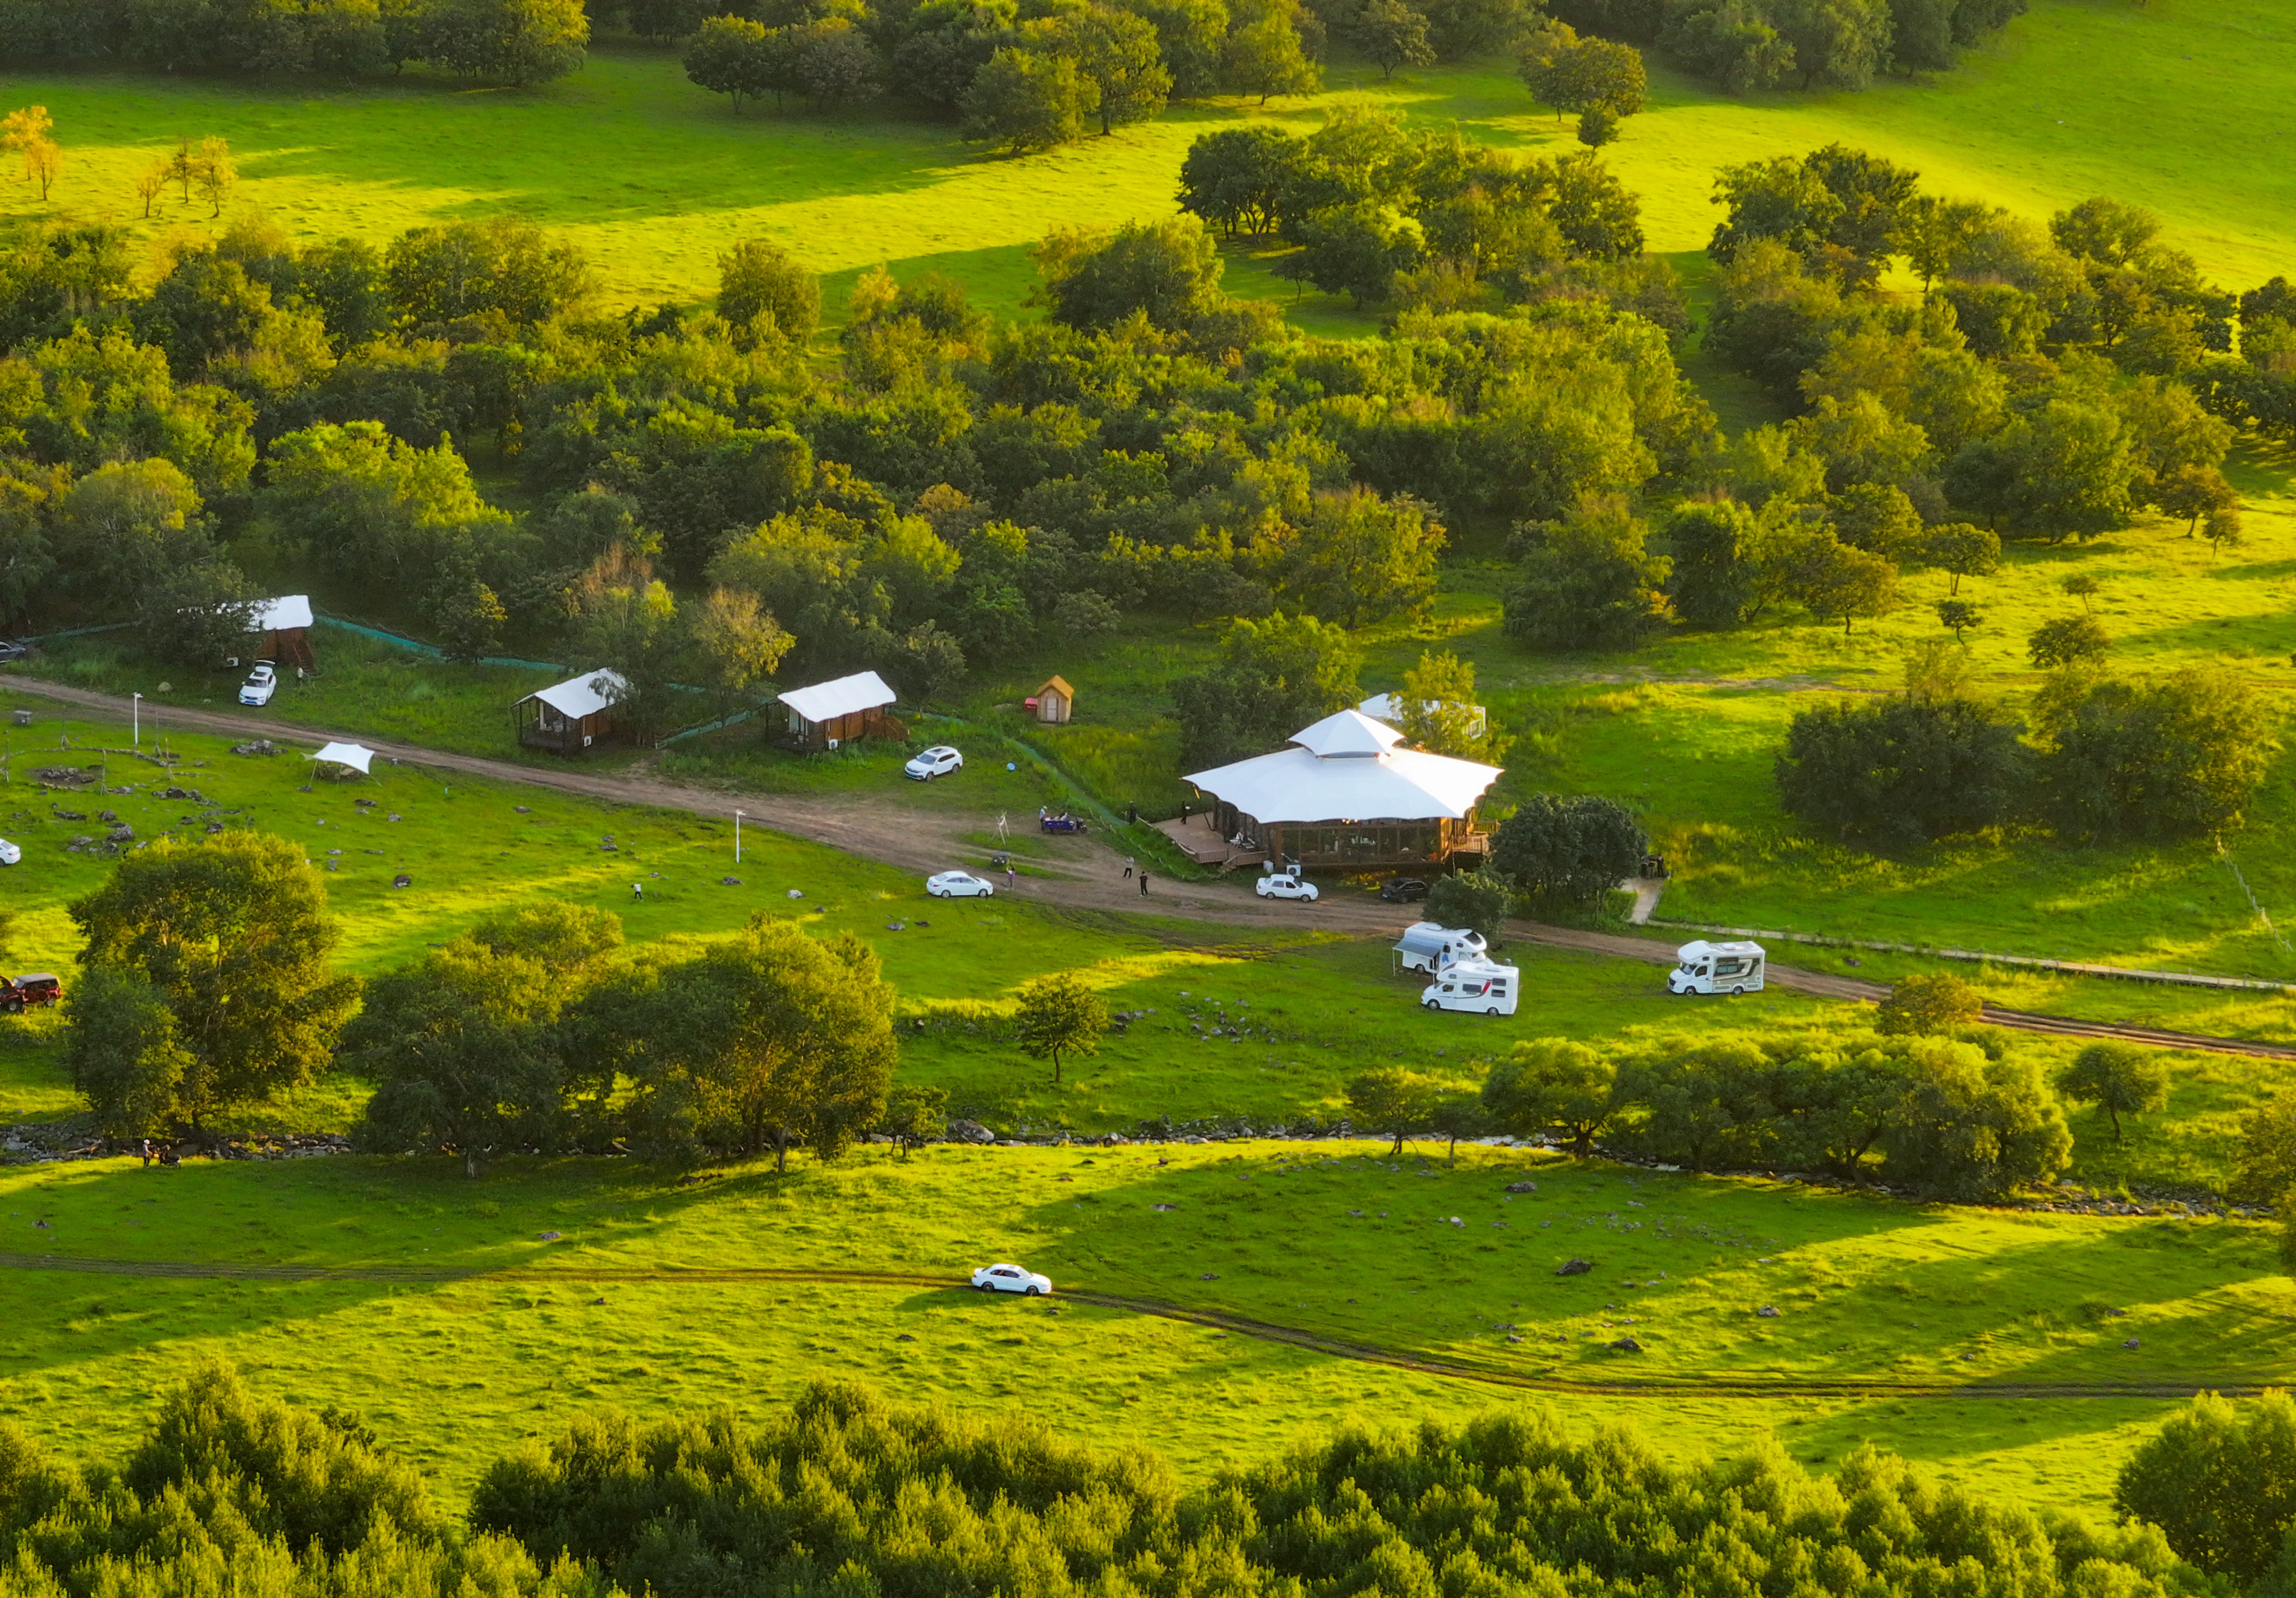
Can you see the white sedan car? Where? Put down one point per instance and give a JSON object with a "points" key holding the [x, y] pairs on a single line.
{"points": [[1010, 1279], [260, 685], [938, 761], [1286, 885], [9, 854], [959, 885]]}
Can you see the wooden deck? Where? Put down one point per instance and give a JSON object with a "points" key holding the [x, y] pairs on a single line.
{"points": [[1200, 844]]}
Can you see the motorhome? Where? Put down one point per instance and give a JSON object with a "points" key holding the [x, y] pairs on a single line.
{"points": [[1477, 985], [1428, 948], [1731, 968]]}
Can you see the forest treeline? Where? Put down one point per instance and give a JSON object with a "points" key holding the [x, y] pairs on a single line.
{"points": [[712, 507], [846, 1496]]}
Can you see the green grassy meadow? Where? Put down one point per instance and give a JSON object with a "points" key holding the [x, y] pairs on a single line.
{"points": [[2178, 105], [1328, 1237]]}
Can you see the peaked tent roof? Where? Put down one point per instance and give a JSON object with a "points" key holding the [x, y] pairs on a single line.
{"points": [[826, 702], [1347, 733], [1350, 784], [585, 695], [281, 615]]}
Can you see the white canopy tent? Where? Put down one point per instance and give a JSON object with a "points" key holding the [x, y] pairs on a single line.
{"points": [[354, 755], [585, 695]]}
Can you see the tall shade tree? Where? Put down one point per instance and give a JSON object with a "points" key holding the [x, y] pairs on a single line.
{"points": [[1392, 34], [769, 1038], [460, 1048], [1553, 1085], [232, 935], [1355, 557], [1060, 1016], [1119, 52], [1028, 100], [1436, 709], [1568, 851], [2119, 1078], [2219, 1479], [1392, 1101]]}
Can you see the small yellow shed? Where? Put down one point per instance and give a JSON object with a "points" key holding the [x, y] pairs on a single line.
{"points": [[1054, 702]]}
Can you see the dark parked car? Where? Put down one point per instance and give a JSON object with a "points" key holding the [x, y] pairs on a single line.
{"points": [[33, 988], [1403, 890], [14, 650]]}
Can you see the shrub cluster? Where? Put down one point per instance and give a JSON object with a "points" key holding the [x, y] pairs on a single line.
{"points": [[1960, 1117], [1022, 81], [502, 41], [1742, 45], [845, 1495]]}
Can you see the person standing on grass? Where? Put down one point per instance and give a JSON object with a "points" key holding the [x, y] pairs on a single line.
{"points": [[147, 1153], [1129, 862], [1011, 876]]}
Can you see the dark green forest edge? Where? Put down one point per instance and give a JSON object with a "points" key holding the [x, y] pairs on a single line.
{"points": [[846, 1496]]}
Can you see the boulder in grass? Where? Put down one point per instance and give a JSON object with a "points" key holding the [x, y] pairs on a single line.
{"points": [[1626, 1344], [1767, 1312], [729, 881], [1522, 1187], [402, 880], [1574, 1268]]}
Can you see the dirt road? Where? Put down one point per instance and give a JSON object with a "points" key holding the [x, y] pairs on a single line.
{"points": [[1087, 875]]}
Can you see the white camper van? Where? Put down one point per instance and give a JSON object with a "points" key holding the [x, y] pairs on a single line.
{"points": [[1731, 968], [1428, 948], [1474, 985]]}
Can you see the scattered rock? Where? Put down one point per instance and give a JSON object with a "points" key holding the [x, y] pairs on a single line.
{"points": [[2131, 1343], [64, 815], [402, 880], [305, 787], [395, 816], [904, 1338], [522, 809], [1163, 1208], [1574, 1268], [260, 746], [1626, 1344], [107, 816], [1767, 1312], [965, 1131], [334, 851], [797, 893], [1522, 1187], [550, 1237], [1208, 1276], [595, 1302], [729, 881]]}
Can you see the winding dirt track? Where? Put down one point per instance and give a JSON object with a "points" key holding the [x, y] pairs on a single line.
{"points": [[1088, 872], [1453, 1367]]}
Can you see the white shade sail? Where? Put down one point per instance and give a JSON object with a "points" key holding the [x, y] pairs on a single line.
{"points": [[1346, 733], [353, 755]]}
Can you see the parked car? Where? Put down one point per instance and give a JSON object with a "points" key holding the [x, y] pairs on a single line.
{"points": [[938, 761], [1474, 985], [9, 854], [959, 885], [1010, 1279], [261, 684], [1426, 945], [13, 649], [1063, 823], [1403, 890], [1731, 968], [20, 993], [1286, 884]]}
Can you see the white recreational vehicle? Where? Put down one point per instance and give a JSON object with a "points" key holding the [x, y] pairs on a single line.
{"points": [[1429, 947], [1731, 968], [1478, 986]]}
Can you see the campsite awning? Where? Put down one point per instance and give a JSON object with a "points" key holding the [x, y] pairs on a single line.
{"points": [[281, 615], [846, 696], [353, 755]]}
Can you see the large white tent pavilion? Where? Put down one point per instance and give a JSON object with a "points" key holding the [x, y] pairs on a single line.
{"points": [[1345, 793]]}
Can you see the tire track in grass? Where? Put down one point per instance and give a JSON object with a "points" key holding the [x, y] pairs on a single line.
{"points": [[1449, 1368]]}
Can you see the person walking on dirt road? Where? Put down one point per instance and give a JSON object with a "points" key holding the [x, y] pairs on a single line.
{"points": [[1143, 884], [1129, 862]]}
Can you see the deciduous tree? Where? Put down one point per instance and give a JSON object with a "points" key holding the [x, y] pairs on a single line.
{"points": [[1060, 1015], [232, 935], [1553, 1086], [1568, 851], [1392, 1101], [1925, 1005], [2119, 1078]]}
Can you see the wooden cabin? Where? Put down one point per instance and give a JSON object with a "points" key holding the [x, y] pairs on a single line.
{"points": [[568, 717], [830, 715], [1053, 703]]}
